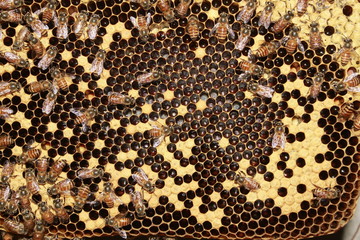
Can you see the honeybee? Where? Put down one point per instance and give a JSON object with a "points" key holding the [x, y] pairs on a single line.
{"points": [[63, 188], [247, 12], [266, 14], [138, 200], [108, 196], [12, 205], [326, 193], [62, 31], [349, 83], [143, 180], [48, 12], [146, 78], [346, 111], [315, 36], [80, 198], [37, 87], [117, 222], [11, 16], [50, 100], [48, 57], [31, 182], [292, 42], [279, 137], [29, 153], [356, 125], [39, 28], [283, 22], [85, 173], [5, 193], [80, 23], [5, 141], [159, 132], [10, 4], [116, 98], [41, 166], [84, 116], [142, 24], [247, 182], [165, 8], [61, 78], [14, 226], [21, 37], [243, 38], [301, 7], [93, 26], [5, 112], [145, 4], [249, 68], [160, 26], [24, 196], [7, 172], [194, 26], [260, 90], [97, 66], [56, 170], [60, 211], [39, 230], [36, 46], [266, 49], [14, 60], [29, 220], [346, 53], [182, 8], [222, 28], [316, 87]]}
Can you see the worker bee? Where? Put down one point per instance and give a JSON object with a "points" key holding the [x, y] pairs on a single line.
{"points": [[48, 57], [5, 112], [11, 16], [108, 196], [165, 8], [14, 226], [85, 173], [10, 4], [279, 137], [247, 12], [21, 37], [260, 90], [62, 31], [29, 220], [5, 141], [346, 53], [5, 193], [283, 22], [143, 180], [117, 222], [55, 170], [266, 14], [97, 66], [301, 7], [41, 86], [159, 26], [145, 78], [29, 153], [292, 42], [7, 172], [36, 46], [39, 28], [243, 38], [316, 87], [60, 211], [39, 230], [84, 116], [250, 68], [247, 182], [346, 111], [31, 182], [194, 27], [142, 24], [63, 188], [41, 166], [116, 98], [13, 204], [93, 26], [48, 12], [326, 193], [182, 8], [266, 49], [9, 88], [24, 196], [80, 23], [80, 198], [222, 28], [315, 36], [50, 100], [349, 83], [159, 132], [15, 60], [145, 4], [61, 78], [138, 200]]}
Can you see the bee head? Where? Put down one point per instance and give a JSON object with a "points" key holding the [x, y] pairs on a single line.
{"points": [[129, 100], [251, 4], [107, 187], [258, 70], [18, 3], [223, 17], [28, 18], [52, 191], [109, 221], [24, 63], [53, 50], [252, 86], [98, 172], [101, 54], [247, 29], [23, 191], [39, 226], [92, 112], [94, 18], [57, 203], [289, 15], [339, 86], [15, 86], [269, 6]]}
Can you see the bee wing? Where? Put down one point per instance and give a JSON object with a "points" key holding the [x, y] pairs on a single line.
{"points": [[265, 20], [351, 76], [244, 76], [44, 62], [158, 141], [76, 112], [134, 22], [85, 127], [39, 11], [62, 32], [265, 91], [55, 19], [353, 89], [145, 75], [48, 105], [284, 40], [241, 42], [148, 19], [241, 13], [214, 28], [143, 174], [121, 232], [282, 140], [276, 141], [300, 45], [231, 32]]}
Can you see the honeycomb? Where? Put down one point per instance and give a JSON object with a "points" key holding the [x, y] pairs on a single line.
{"points": [[191, 125]]}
